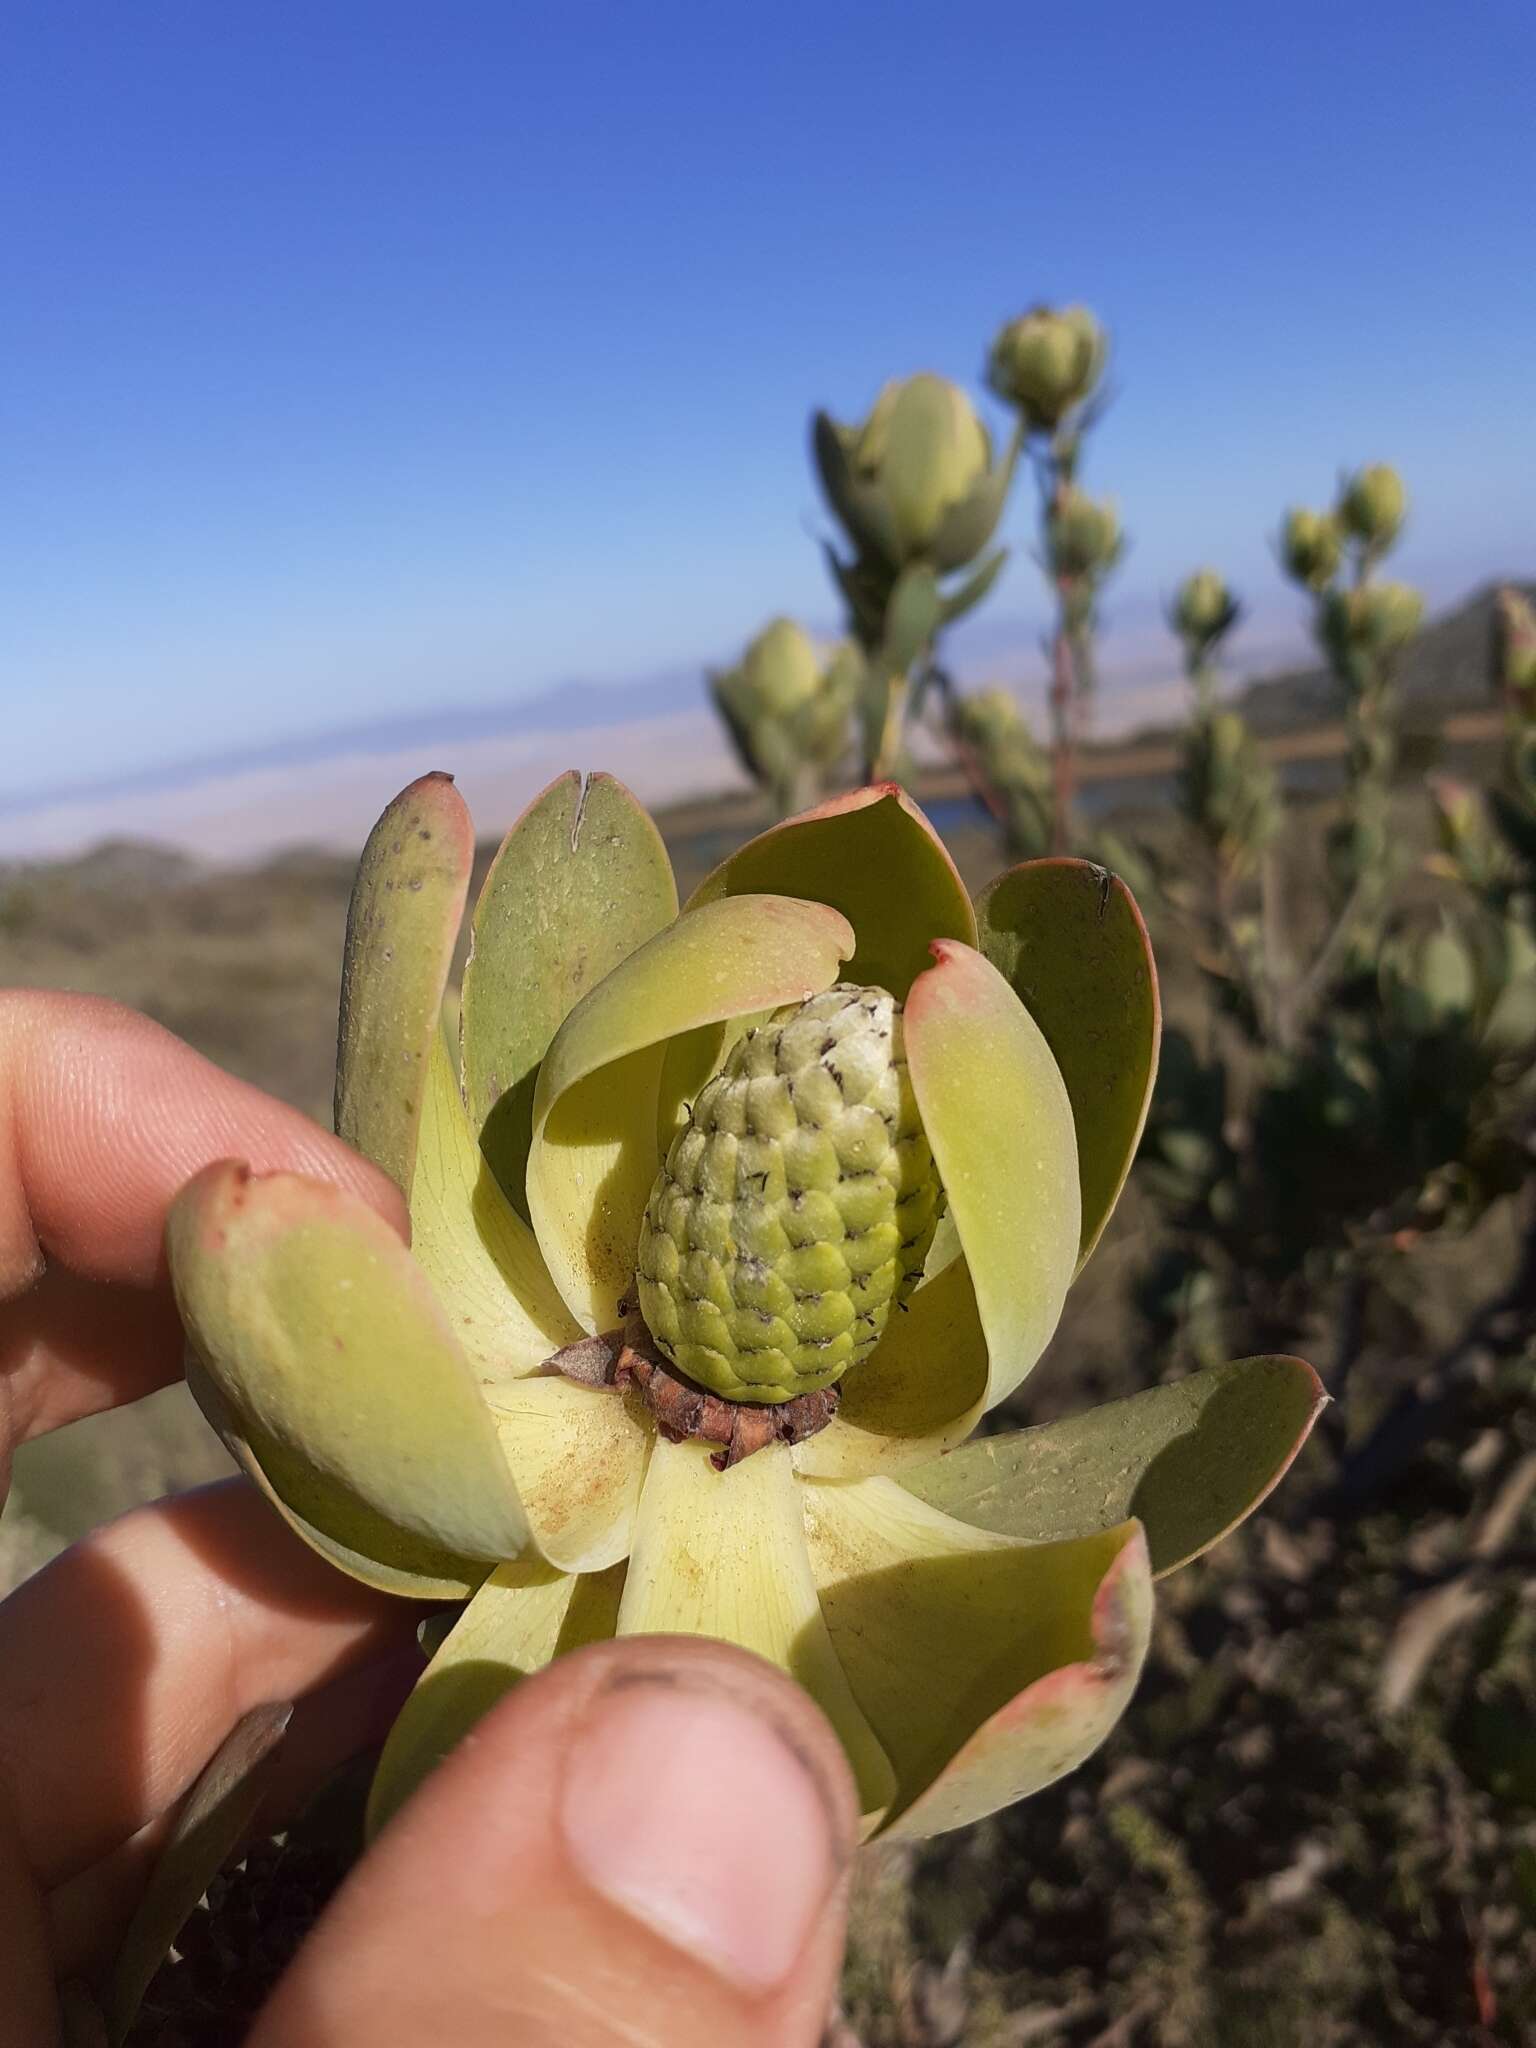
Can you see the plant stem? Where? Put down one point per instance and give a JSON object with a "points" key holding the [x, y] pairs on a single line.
{"points": [[1063, 727], [887, 753]]}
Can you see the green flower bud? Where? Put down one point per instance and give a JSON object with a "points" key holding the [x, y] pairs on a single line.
{"points": [[1514, 647], [991, 715], [1204, 609], [1227, 789], [1018, 767], [1373, 622], [1373, 504], [796, 1207], [926, 450], [1311, 547], [781, 669], [1386, 616], [1083, 535], [787, 708], [1046, 362]]}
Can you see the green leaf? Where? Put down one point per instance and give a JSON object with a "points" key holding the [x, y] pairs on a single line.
{"points": [[329, 1517], [522, 1617], [998, 1119], [1069, 939], [476, 1250], [213, 1817], [323, 1336], [911, 617], [974, 588], [581, 880], [859, 505], [987, 1667], [872, 855], [595, 1114], [1190, 1461], [407, 903]]}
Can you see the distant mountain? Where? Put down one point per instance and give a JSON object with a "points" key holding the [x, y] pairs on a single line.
{"points": [[568, 707], [1445, 669]]}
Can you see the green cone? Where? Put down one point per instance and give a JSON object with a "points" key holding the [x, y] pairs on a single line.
{"points": [[796, 1207]]}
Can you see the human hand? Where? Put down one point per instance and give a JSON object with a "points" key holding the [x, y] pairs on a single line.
{"points": [[646, 1843]]}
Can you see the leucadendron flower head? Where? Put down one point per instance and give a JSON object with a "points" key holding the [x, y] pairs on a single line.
{"points": [[1377, 620], [1046, 362], [1083, 537], [728, 1226], [788, 707], [1373, 504], [1311, 547], [1203, 611], [918, 481]]}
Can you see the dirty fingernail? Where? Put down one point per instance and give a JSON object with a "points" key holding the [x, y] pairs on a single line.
{"points": [[691, 1813]]}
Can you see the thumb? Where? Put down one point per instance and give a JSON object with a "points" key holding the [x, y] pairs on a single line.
{"points": [[647, 1843]]}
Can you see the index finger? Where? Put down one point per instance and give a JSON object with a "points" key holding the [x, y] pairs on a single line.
{"points": [[103, 1117]]}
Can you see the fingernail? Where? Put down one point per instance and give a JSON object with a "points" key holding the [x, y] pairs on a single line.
{"points": [[690, 1812]]}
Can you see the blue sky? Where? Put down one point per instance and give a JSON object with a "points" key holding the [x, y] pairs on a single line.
{"points": [[366, 355]]}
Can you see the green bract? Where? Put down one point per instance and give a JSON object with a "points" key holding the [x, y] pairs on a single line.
{"points": [[972, 1629]]}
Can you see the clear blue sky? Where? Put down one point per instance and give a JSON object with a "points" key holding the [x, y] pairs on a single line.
{"points": [[369, 353]]}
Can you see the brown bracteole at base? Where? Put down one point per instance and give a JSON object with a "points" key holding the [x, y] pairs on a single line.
{"points": [[628, 1357]]}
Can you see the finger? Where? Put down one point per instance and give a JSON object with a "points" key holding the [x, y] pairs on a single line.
{"points": [[89, 1913], [125, 1662], [26, 1978], [646, 1844], [103, 1116]]}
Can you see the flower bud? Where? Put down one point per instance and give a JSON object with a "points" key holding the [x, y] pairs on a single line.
{"points": [[1372, 505], [1376, 620], [1386, 616], [925, 450], [1083, 535], [1204, 609], [1514, 647], [781, 669], [1311, 547], [1046, 362], [787, 705]]}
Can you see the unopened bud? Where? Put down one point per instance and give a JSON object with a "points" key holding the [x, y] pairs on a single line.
{"points": [[1203, 610], [1373, 504], [1311, 547], [1082, 534], [1046, 362]]}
